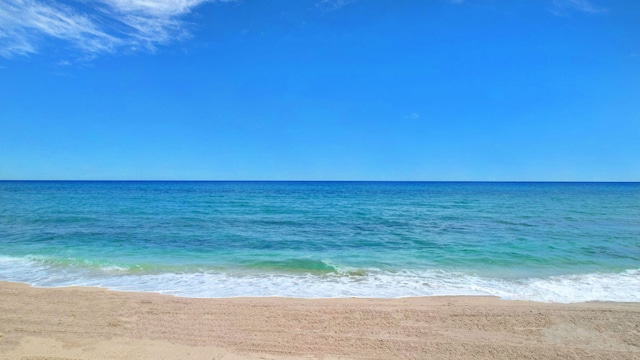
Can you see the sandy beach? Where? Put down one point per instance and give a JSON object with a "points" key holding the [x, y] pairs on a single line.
{"points": [[89, 323]]}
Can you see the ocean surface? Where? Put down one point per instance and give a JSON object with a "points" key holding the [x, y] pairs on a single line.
{"points": [[551, 242]]}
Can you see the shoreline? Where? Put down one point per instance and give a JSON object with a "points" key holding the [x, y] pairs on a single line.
{"points": [[95, 323]]}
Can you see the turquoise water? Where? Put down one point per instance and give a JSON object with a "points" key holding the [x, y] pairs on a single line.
{"points": [[560, 242]]}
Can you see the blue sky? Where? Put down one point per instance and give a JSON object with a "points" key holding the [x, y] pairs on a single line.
{"points": [[320, 90]]}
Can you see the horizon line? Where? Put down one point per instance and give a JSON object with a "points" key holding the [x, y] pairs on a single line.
{"points": [[344, 181]]}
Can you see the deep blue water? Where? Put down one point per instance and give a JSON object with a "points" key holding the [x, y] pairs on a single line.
{"points": [[560, 242]]}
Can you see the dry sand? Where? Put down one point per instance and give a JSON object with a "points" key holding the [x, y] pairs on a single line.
{"points": [[86, 323]]}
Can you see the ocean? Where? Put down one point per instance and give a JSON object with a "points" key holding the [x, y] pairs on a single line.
{"points": [[549, 242]]}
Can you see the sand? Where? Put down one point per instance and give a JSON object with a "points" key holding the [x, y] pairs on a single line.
{"points": [[89, 323]]}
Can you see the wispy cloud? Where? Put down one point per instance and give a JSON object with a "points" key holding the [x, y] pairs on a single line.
{"points": [[159, 8], [93, 27], [333, 4], [24, 24], [412, 116], [562, 7]]}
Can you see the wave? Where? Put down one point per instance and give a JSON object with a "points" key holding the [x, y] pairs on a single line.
{"points": [[294, 265], [329, 281]]}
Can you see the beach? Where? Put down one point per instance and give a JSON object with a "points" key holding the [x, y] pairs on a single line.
{"points": [[92, 323]]}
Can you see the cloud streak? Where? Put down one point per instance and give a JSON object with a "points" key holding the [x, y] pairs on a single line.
{"points": [[92, 27], [331, 5], [560, 7]]}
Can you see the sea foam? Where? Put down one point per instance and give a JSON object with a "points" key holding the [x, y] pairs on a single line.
{"points": [[620, 287]]}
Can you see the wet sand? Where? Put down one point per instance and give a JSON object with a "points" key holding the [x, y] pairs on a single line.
{"points": [[89, 323]]}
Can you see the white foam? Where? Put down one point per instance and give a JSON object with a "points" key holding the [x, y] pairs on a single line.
{"points": [[622, 287]]}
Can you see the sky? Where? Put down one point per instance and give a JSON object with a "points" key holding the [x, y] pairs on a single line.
{"points": [[424, 90]]}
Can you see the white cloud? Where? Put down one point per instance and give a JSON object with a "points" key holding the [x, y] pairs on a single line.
{"points": [[93, 27], [24, 23], [412, 116], [159, 8]]}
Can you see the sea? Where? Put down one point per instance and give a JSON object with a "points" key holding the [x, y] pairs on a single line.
{"points": [[547, 242]]}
